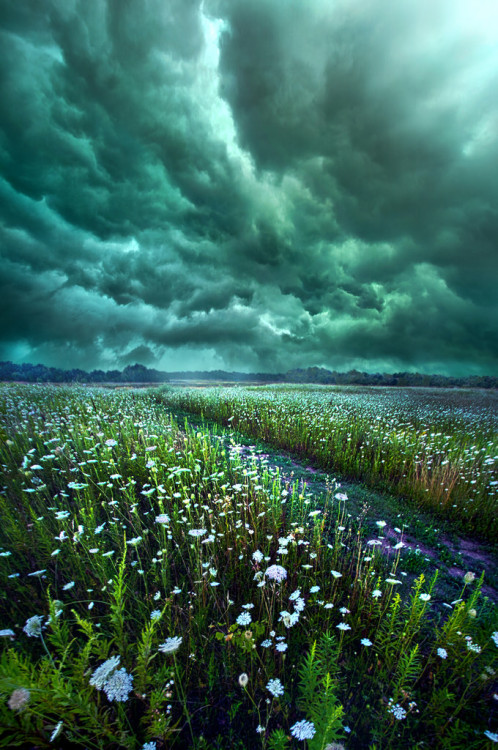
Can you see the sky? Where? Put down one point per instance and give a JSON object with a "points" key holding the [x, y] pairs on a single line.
{"points": [[251, 185]]}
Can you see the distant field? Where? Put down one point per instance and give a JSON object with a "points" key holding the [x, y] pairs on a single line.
{"points": [[162, 587], [437, 447]]}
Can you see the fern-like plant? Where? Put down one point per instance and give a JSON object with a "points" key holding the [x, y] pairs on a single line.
{"points": [[317, 692]]}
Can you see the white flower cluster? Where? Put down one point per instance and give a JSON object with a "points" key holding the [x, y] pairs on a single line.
{"points": [[170, 645], [33, 627], [276, 573], [275, 687], [303, 730], [116, 683], [397, 711]]}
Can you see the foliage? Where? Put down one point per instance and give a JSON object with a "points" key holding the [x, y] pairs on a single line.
{"points": [[162, 584]]}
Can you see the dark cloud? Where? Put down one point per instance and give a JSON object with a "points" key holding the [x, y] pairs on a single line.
{"points": [[256, 185]]}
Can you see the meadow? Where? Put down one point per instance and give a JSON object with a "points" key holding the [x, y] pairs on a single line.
{"points": [[162, 586], [436, 447]]}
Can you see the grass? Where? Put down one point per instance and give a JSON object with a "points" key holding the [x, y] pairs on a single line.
{"points": [[142, 606], [436, 448]]}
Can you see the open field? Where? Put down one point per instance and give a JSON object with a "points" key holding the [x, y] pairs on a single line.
{"points": [[438, 448], [163, 586]]}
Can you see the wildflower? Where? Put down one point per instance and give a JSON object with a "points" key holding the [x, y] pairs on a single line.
{"points": [[111, 443], [336, 574], [135, 541], [397, 711], [266, 643], [376, 593], [155, 615], [170, 645], [61, 515], [289, 619], [6, 633], [56, 732], [149, 746], [341, 496], [303, 730], [197, 532], [425, 597], [275, 687], [33, 627], [163, 518], [119, 685], [343, 626], [473, 647], [491, 735], [469, 577], [281, 647], [19, 698], [442, 653], [299, 604], [260, 729], [295, 595], [243, 679], [314, 589], [257, 556], [244, 619], [101, 675], [38, 573], [380, 524], [494, 637], [394, 581], [366, 642], [276, 573]]}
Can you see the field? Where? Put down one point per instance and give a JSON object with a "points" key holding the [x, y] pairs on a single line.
{"points": [[436, 447], [165, 584]]}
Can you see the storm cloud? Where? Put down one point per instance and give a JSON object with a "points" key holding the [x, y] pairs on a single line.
{"points": [[250, 185]]}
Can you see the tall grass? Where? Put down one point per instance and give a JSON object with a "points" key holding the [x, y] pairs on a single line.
{"points": [[438, 449], [161, 590]]}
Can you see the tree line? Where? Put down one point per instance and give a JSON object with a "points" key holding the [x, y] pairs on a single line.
{"points": [[136, 373]]}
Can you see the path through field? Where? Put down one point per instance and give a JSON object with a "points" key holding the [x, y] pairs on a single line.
{"points": [[428, 544]]}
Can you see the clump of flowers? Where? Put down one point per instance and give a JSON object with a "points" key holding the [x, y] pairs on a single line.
{"points": [[275, 687], [396, 710], [19, 699], [33, 627], [244, 619], [170, 645], [116, 683], [119, 685], [303, 730], [276, 573]]}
